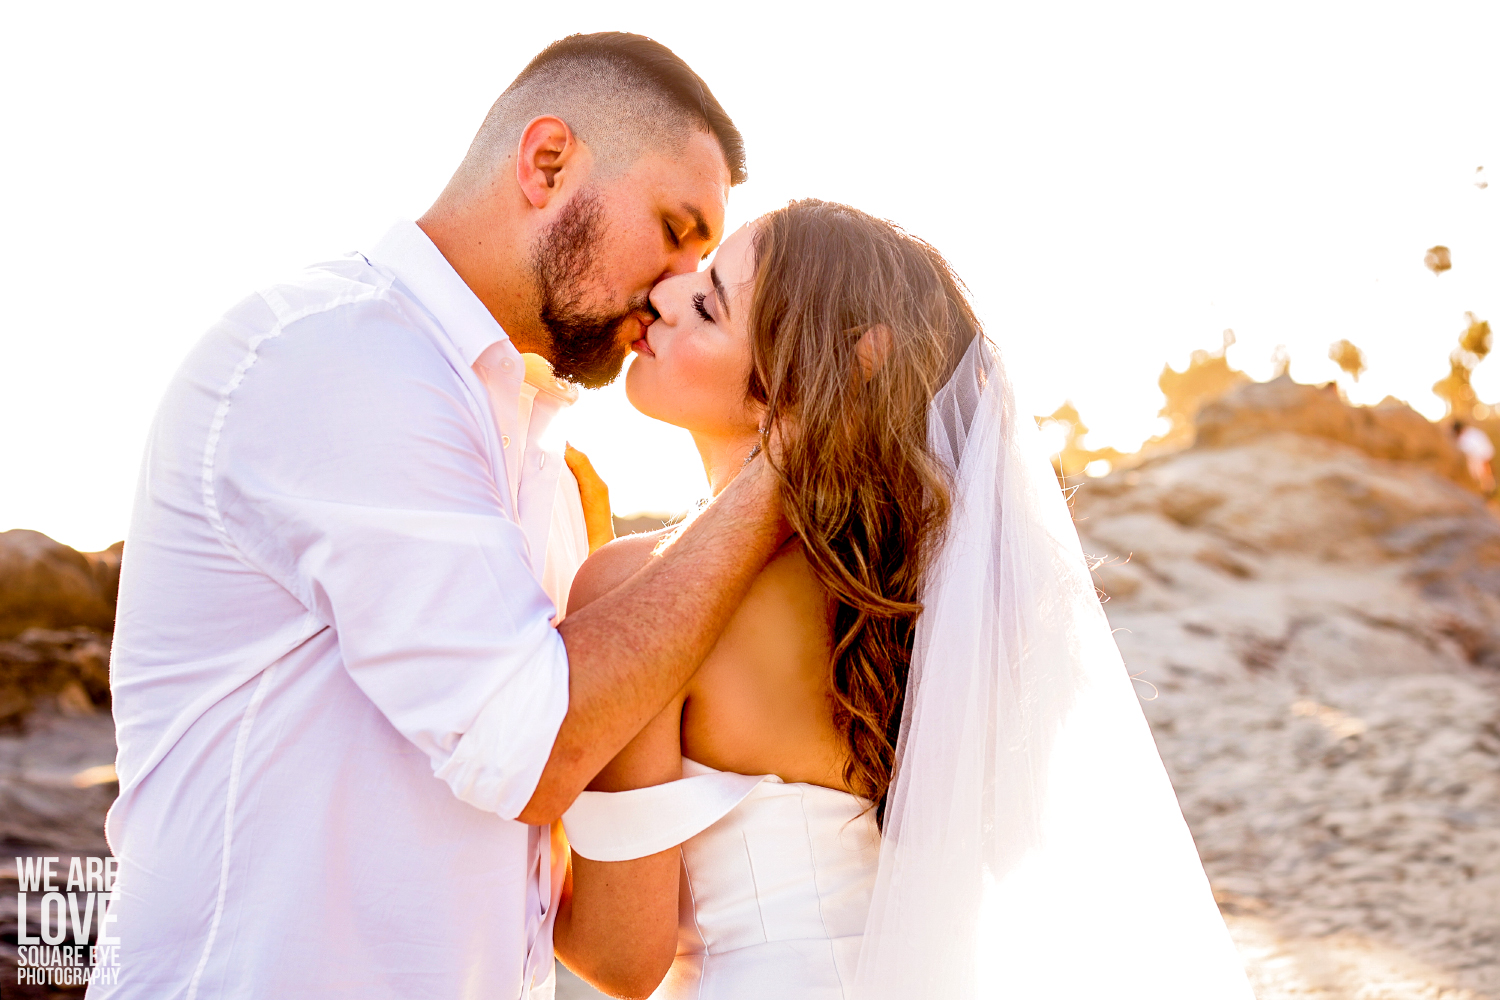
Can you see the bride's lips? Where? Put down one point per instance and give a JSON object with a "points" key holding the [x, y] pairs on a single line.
{"points": [[643, 344]]}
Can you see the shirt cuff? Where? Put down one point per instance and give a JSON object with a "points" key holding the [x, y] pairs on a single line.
{"points": [[497, 764]]}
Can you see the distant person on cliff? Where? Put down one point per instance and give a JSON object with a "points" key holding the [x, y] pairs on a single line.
{"points": [[345, 716], [1479, 452]]}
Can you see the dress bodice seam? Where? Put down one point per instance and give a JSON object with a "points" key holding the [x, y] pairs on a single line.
{"points": [[702, 943], [760, 912], [812, 855]]}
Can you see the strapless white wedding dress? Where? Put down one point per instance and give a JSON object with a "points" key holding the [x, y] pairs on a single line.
{"points": [[776, 879]]}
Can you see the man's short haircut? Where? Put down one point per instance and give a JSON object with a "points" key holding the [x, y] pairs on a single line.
{"points": [[620, 94]]}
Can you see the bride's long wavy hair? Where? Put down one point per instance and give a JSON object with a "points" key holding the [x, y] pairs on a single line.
{"points": [[854, 326]]}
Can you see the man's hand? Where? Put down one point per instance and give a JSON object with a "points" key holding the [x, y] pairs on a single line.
{"points": [[597, 516]]}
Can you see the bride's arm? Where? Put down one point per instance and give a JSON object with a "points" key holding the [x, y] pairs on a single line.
{"points": [[617, 921]]}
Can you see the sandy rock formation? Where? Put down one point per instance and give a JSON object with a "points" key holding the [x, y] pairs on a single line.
{"points": [[1317, 634], [637, 523], [57, 607], [65, 667], [1391, 430], [45, 584]]}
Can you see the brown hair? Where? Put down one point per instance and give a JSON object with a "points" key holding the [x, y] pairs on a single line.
{"points": [[860, 485], [648, 67]]}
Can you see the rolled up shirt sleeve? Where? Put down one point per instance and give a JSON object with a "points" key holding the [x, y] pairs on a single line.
{"points": [[351, 465]]}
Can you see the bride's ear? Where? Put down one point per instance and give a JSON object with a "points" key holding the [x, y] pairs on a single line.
{"points": [[873, 348]]}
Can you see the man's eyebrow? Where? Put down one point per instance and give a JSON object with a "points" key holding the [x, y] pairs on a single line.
{"points": [[713, 275], [700, 224]]}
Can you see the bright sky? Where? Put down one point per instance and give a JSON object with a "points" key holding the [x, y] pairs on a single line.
{"points": [[1117, 183]]}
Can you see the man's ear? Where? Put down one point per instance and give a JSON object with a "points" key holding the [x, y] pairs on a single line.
{"points": [[873, 348], [547, 149]]}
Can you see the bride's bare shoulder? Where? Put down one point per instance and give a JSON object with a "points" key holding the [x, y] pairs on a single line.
{"points": [[611, 565]]}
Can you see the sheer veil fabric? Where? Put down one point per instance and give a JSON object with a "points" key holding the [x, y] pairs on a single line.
{"points": [[1033, 846]]}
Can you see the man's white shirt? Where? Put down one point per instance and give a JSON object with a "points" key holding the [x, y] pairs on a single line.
{"points": [[336, 677]]}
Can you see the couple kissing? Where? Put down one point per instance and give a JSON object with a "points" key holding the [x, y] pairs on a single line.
{"points": [[399, 719]]}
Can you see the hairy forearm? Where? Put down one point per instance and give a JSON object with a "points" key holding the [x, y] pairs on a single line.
{"points": [[633, 649]]}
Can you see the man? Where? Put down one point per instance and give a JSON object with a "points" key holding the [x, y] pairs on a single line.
{"points": [[344, 714], [1478, 451]]}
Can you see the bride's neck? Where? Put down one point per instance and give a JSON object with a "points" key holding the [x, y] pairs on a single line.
{"points": [[724, 457]]}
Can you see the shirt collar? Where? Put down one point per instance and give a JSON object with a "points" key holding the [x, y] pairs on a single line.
{"points": [[419, 265], [539, 376]]}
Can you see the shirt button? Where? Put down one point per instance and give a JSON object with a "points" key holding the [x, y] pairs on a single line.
{"points": [[506, 365], [505, 440], [541, 461]]}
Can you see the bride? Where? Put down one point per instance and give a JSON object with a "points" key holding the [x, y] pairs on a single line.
{"points": [[914, 765]]}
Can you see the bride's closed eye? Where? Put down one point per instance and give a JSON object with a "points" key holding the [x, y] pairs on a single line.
{"points": [[698, 301]]}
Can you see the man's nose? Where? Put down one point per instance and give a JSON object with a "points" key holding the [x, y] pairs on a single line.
{"points": [[684, 261]]}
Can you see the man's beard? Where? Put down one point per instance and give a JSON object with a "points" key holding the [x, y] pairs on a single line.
{"points": [[586, 346]]}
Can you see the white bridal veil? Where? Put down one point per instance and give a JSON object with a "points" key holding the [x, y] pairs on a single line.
{"points": [[1033, 847]]}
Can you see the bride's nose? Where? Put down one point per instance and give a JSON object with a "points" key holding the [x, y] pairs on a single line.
{"points": [[667, 297]]}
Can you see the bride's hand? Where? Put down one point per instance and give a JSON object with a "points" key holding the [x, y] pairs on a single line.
{"points": [[597, 516]]}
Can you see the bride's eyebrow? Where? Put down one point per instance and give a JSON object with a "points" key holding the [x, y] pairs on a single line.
{"points": [[713, 275]]}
